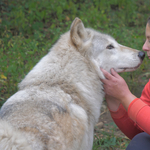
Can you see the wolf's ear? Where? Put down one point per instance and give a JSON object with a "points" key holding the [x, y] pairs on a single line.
{"points": [[78, 33]]}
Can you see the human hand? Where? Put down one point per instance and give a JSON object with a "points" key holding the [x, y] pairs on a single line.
{"points": [[115, 86]]}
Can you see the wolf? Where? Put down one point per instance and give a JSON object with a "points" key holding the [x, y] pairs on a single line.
{"points": [[58, 102]]}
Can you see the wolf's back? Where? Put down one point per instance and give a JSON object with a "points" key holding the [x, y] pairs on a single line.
{"points": [[10, 139]]}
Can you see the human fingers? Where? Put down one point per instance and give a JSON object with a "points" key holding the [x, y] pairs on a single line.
{"points": [[117, 77], [114, 73], [105, 81], [106, 74]]}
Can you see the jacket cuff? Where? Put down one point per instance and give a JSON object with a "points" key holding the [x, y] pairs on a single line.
{"points": [[135, 106]]}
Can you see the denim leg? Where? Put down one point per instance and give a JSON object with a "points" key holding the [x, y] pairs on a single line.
{"points": [[140, 142]]}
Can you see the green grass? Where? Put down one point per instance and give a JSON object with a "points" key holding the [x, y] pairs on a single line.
{"points": [[28, 28], [105, 139], [110, 142]]}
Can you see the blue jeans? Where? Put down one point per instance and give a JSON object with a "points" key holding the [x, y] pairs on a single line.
{"points": [[140, 142]]}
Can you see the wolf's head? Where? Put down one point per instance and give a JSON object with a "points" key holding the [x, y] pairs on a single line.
{"points": [[103, 51]]}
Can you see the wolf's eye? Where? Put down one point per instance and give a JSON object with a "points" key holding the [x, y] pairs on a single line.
{"points": [[110, 46]]}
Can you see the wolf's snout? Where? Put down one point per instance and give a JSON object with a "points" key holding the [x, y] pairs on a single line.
{"points": [[141, 55]]}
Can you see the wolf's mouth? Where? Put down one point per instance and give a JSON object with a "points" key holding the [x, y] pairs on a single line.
{"points": [[129, 68]]}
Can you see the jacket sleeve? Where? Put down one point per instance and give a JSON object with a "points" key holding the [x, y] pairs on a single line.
{"points": [[137, 118], [139, 110]]}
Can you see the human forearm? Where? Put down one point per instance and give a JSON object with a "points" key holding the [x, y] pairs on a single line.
{"points": [[113, 103]]}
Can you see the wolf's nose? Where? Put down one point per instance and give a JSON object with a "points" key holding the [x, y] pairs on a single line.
{"points": [[141, 55]]}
